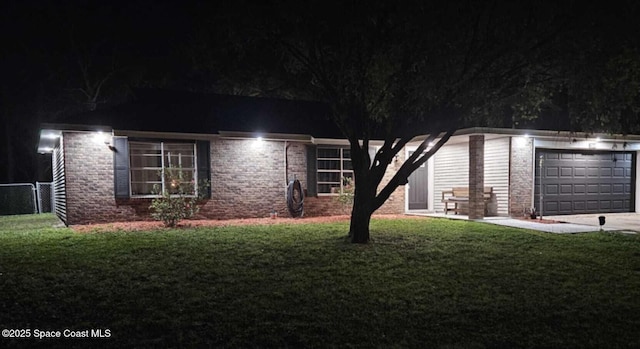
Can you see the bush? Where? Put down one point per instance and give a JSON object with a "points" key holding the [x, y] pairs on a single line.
{"points": [[346, 195], [171, 209], [179, 202]]}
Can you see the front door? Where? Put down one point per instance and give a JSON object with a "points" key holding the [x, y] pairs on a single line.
{"points": [[418, 188]]}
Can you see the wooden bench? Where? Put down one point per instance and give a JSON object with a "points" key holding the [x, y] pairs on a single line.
{"points": [[460, 195]]}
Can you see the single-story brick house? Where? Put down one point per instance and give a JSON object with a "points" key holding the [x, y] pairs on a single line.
{"points": [[250, 148]]}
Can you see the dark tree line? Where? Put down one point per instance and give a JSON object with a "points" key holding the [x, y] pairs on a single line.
{"points": [[61, 58]]}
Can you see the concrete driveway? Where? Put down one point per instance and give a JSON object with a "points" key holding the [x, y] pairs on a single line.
{"points": [[614, 221]]}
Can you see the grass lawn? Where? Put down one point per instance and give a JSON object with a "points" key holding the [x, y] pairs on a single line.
{"points": [[431, 283]]}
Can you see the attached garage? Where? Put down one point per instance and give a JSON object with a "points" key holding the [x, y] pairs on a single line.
{"points": [[584, 181]]}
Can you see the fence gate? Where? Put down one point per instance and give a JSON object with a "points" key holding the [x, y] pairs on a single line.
{"points": [[18, 198], [45, 197]]}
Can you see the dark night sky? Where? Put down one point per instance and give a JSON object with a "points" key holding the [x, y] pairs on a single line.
{"points": [[146, 43], [45, 35], [44, 44]]}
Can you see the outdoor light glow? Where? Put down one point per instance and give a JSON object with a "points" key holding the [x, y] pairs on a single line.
{"points": [[48, 139], [526, 135], [598, 139], [102, 138], [521, 141], [50, 135], [258, 142]]}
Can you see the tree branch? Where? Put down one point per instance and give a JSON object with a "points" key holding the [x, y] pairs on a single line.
{"points": [[415, 160]]}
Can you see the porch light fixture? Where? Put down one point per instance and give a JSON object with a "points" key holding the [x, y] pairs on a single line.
{"points": [[101, 138], [521, 141], [50, 135], [48, 140], [104, 138], [257, 143]]}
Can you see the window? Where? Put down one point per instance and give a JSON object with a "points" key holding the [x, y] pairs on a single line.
{"points": [[159, 166], [334, 170]]}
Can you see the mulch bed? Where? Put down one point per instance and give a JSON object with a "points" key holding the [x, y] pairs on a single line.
{"points": [[155, 225]]}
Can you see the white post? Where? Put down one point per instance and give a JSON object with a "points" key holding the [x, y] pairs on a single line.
{"points": [[39, 197], [52, 195]]}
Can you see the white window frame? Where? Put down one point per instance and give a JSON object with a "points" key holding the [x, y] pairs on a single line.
{"points": [[163, 156], [341, 171]]}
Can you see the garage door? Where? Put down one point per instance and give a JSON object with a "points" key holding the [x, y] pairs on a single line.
{"points": [[576, 182]]}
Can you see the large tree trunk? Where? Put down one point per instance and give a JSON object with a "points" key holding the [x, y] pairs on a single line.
{"points": [[360, 219], [368, 173], [364, 196]]}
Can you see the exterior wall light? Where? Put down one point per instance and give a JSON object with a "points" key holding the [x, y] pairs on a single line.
{"points": [[51, 135], [258, 143], [104, 138], [101, 138], [521, 141]]}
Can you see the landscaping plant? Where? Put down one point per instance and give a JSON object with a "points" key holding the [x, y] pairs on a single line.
{"points": [[346, 195], [178, 200]]}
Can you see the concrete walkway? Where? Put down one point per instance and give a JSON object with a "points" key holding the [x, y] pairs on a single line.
{"points": [[557, 228], [614, 221], [579, 225]]}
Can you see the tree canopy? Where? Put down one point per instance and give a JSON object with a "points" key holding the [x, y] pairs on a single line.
{"points": [[393, 71]]}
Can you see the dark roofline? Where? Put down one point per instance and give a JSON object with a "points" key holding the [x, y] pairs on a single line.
{"points": [[186, 112]]}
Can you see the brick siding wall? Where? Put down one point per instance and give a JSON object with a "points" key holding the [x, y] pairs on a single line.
{"points": [[89, 181], [476, 177], [247, 180], [520, 175]]}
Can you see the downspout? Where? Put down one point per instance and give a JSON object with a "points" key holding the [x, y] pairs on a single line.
{"points": [[509, 177], [286, 169]]}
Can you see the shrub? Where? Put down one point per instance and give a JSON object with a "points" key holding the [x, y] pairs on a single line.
{"points": [[179, 201], [171, 209], [345, 198]]}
